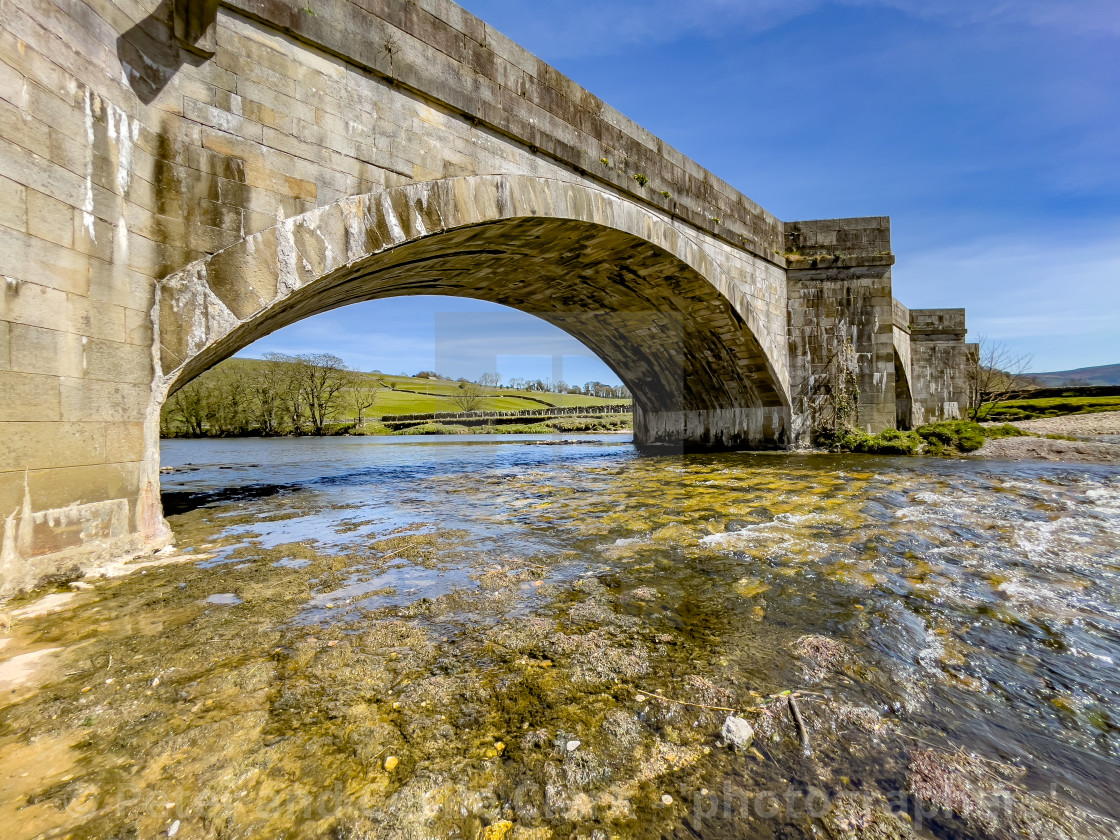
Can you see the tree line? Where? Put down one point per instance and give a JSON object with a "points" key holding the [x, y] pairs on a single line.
{"points": [[299, 394]]}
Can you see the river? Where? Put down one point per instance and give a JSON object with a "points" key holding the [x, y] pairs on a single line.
{"points": [[457, 637]]}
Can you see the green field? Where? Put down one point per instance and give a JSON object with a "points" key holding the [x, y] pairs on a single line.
{"points": [[410, 395], [1053, 407]]}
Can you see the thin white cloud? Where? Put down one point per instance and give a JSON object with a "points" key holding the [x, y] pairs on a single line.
{"points": [[1097, 18], [1028, 290], [591, 27]]}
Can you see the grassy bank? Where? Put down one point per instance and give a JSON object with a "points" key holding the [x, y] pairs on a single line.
{"points": [[1030, 409]]}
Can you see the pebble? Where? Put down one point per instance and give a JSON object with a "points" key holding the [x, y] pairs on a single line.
{"points": [[171, 832], [737, 732], [666, 800], [573, 746], [391, 762]]}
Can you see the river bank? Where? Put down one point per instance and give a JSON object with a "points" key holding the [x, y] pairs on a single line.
{"points": [[1098, 440]]}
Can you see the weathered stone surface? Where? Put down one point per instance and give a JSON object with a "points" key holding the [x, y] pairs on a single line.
{"points": [[736, 732], [178, 178]]}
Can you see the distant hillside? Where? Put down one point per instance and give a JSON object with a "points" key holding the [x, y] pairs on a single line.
{"points": [[1100, 375]]}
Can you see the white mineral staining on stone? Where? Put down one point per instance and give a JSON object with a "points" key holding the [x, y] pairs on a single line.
{"points": [[287, 280], [87, 201]]}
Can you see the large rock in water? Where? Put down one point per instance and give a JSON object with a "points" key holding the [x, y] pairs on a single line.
{"points": [[737, 732]]}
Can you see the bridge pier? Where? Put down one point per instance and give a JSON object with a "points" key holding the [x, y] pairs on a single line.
{"points": [[712, 430]]}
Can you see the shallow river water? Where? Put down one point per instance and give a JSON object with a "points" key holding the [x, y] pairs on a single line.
{"points": [[461, 638]]}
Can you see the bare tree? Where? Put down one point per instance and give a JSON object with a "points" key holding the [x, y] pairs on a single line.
{"points": [[362, 398], [289, 396], [490, 380], [189, 406], [469, 396], [322, 379], [994, 373], [267, 386]]}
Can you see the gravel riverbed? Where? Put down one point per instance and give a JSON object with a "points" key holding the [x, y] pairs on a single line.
{"points": [[1103, 424]]}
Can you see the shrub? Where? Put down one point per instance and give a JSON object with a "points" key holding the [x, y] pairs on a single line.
{"points": [[887, 442], [952, 436]]}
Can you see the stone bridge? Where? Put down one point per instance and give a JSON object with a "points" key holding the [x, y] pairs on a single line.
{"points": [[177, 180]]}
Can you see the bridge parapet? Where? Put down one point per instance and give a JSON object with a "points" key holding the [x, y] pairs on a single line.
{"points": [[446, 55]]}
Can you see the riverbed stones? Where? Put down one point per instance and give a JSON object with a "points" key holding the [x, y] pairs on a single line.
{"points": [[736, 732]]}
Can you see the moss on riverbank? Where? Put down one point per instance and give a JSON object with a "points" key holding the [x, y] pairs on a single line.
{"points": [[954, 437]]}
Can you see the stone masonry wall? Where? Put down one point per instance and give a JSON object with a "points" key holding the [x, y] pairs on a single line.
{"points": [[940, 365], [840, 290]]}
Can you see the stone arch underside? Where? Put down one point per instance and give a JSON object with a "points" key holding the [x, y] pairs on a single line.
{"points": [[642, 295], [903, 395]]}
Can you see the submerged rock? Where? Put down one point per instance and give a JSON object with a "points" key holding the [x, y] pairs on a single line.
{"points": [[966, 793], [736, 732]]}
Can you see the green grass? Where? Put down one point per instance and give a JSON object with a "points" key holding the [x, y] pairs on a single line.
{"points": [[1005, 430], [1028, 409], [410, 395]]}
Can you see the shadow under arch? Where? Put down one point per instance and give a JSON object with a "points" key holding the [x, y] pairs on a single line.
{"points": [[903, 394], [634, 289]]}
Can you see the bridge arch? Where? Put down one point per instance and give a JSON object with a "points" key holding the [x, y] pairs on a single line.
{"points": [[627, 283]]}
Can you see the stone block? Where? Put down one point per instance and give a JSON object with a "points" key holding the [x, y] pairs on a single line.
{"points": [[24, 167], [138, 329], [123, 441], [231, 123], [209, 240], [267, 116], [43, 445], [5, 332], [30, 303], [50, 219], [110, 361], [94, 318], [51, 489], [54, 110], [97, 400], [13, 205], [278, 181], [38, 350], [19, 127], [28, 396]]}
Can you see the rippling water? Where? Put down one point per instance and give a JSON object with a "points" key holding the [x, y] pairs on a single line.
{"points": [[471, 610]]}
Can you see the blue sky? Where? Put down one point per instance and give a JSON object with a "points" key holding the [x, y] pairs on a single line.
{"points": [[989, 130]]}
